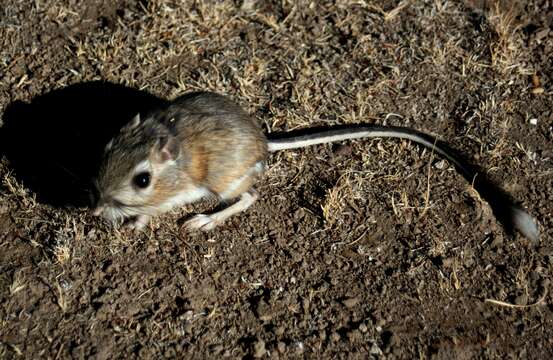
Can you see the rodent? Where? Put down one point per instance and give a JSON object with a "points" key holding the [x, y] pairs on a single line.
{"points": [[203, 144]]}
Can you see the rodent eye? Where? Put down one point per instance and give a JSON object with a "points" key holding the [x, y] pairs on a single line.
{"points": [[142, 180]]}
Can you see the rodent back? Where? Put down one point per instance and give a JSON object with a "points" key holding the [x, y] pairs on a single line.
{"points": [[220, 140]]}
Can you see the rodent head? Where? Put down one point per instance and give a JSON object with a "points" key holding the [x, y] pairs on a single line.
{"points": [[139, 166]]}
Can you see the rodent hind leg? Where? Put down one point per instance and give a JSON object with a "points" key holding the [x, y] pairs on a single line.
{"points": [[236, 187], [210, 221]]}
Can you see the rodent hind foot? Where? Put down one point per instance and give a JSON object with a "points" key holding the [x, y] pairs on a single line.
{"points": [[208, 222], [201, 222]]}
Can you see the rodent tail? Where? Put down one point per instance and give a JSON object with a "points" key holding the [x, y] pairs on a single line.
{"points": [[509, 214]]}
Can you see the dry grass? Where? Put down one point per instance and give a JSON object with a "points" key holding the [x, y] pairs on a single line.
{"points": [[68, 235], [425, 64], [335, 200], [121, 238], [17, 285], [506, 51], [61, 298], [62, 252], [18, 191], [354, 188], [540, 302], [13, 347]]}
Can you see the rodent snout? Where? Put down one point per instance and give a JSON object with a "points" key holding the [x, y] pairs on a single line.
{"points": [[99, 207], [98, 210]]}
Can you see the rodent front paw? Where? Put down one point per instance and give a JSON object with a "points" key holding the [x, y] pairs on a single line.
{"points": [[201, 222], [138, 223]]}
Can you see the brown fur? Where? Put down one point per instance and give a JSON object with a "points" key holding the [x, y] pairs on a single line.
{"points": [[198, 164], [200, 141]]}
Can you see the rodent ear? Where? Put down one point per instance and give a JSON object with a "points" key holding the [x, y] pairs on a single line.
{"points": [[169, 148], [109, 145], [133, 123]]}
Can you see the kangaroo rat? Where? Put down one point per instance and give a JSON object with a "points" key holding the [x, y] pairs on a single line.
{"points": [[204, 144]]}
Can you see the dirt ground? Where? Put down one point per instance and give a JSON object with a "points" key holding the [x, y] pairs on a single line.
{"points": [[373, 248]]}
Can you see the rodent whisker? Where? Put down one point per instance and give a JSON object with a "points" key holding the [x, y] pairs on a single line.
{"points": [[69, 172], [124, 210]]}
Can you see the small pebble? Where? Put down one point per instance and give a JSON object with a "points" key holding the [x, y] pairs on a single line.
{"points": [[375, 350], [217, 349], [351, 302], [354, 335], [534, 121], [188, 315], [440, 164], [259, 349], [264, 311], [300, 347], [521, 300], [542, 34]]}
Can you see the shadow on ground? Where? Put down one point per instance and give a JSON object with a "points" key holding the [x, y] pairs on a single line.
{"points": [[54, 144]]}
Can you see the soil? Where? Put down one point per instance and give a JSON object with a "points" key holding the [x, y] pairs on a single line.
{"points": [[366, 249]]}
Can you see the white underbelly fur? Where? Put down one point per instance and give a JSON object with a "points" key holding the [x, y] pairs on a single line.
{"points": [[185, 197]]}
